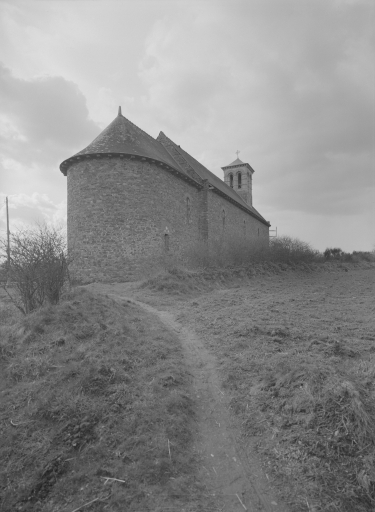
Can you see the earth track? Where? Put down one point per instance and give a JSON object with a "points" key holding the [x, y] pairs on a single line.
{"points": [[234, 481]]}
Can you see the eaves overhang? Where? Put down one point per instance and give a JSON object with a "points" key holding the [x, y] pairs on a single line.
{"points": [[97, 156], [248, 166]]}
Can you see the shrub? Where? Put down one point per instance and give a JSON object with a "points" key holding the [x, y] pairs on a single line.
{"points": [[288, 249], [232, 252], [334, 253], [354, 257], [38, 268], [364, 256]]}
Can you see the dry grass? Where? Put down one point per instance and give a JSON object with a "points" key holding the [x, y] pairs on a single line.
{"points": [[95, 405], [215, 254], [184, 282], [95, 398], [297, 357]]}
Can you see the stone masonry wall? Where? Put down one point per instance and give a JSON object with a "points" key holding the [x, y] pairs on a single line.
{"points": [[118, 211], [238, 225]]}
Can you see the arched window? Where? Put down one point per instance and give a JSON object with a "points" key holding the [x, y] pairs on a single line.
{"points": [[223, 218], [239, 180], [231, 180], [188, 210]]}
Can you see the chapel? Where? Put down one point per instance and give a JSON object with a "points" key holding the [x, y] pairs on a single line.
{"points": [[134, 200]]}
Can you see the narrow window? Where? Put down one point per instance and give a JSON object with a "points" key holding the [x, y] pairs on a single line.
{"points": [[166, 242], [258, 231], [231, 180], [166, 239], [188, 210], [239, 179], [244, 228], [223, 218]]}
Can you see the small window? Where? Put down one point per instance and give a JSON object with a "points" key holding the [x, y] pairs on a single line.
{"points": [[166, 239], [239, 180], [166, 242], [188, 210], [244, 228], [223, 218], [231, 180], [258, 231]]}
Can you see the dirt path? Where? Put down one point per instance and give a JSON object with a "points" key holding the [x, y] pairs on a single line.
{"points": [[237, 483]]}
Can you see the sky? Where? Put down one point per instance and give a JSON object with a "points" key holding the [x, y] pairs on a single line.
{"points": [[288, 83]]}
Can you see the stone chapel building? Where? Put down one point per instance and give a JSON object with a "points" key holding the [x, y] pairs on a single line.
{"points": [[133, 199]]}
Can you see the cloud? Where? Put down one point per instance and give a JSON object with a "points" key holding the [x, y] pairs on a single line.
{"points": [[43, 121], [28, 210], [289, 83], [43, 118], [352, 233], [184, 82]]}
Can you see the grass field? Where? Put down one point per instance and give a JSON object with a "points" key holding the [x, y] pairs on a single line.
{"points": [[97, 411], [296, 351]]}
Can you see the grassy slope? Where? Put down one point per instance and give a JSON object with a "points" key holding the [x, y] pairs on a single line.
{"points": [[93, 391], [297, 357]]}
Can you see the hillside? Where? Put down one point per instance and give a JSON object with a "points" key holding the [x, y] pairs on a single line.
{"points": [[227, 390], [295, 356], [95, 411]]}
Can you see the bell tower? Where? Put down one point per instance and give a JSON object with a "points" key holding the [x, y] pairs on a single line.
{"points": [[239, 176]]}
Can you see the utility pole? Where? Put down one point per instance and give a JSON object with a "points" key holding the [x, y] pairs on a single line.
{"points": [[8, 236]]}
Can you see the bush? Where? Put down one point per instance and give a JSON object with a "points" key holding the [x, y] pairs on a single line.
{"points": [[38, 268], [364, 256], [354, 257], [236, 253], [335, 253], [288, 249]]}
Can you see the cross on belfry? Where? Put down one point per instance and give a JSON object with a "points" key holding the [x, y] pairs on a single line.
{"points": [[237, 152]]}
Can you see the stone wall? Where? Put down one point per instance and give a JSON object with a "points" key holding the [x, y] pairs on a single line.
{"points": [[237, 224], [123, 215], [118, 214]]}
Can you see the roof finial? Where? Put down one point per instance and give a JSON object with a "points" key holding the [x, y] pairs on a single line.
{"points": [[236, 151], [119, 111]]}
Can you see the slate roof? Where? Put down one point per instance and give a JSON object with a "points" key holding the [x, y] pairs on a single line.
{"points": [[205, 174], [124, 137], [236, 162]]}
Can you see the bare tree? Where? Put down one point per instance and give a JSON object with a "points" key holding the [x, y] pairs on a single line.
{"points": [[38, 268]]}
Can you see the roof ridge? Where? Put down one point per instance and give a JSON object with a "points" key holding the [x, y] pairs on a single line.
{"points": [[169, 145], [213, 179], [138, 128]]}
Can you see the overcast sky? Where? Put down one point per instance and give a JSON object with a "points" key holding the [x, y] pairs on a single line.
{"points": [[289, 83]]}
